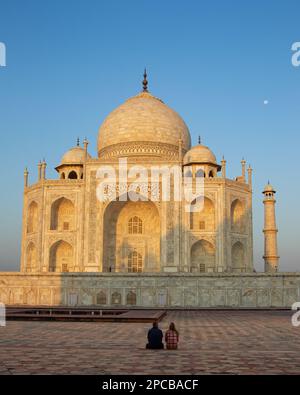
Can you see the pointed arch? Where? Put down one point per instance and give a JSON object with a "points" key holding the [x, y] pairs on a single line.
{"points": [[61, 257], [131, 298], [32, 218], [204, 219], [188, 173], [62, 215], [116, 298], [200, 173], [237, 216], [203, 256], [238, 257], [122, 217], [30, 297], [31, 258], [101, 298], [73, 175]]}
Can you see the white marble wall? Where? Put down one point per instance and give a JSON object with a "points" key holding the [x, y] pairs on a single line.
{"points": [[153, 290]]}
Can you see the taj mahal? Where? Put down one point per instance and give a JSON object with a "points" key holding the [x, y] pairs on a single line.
{"points": [[77, 250]]}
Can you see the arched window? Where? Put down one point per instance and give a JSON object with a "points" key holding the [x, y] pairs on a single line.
{"points": [[73, 175], [135, 262], [188, 173], [211, 174], [62, 215], [135, 225], [237, 216], [202, 217], [131, 298], [101, 298], [200, 173], [32, 219]]}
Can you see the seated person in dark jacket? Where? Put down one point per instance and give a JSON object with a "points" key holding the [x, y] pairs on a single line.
{"points": [[155, 337]]}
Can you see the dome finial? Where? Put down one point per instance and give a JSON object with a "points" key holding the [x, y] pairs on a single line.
{"points": [[145, 81], [199, 140], [77, 141]]}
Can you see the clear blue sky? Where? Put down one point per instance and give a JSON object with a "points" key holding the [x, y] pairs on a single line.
{"points": [[69, 63]]}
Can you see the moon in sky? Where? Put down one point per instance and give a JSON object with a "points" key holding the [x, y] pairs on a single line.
{"points": [[266, 101]]}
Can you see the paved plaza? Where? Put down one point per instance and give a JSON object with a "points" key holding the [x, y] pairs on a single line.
{"points": [[212, 342]]}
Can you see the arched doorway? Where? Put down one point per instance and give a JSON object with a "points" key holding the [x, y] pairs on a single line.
{"points": [[61, 257], [203, 257], [31, 258], [131, 237], [238, 257]]}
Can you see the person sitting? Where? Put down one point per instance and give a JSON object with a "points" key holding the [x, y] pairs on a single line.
{"points": [[172, 337], [155, 337]]}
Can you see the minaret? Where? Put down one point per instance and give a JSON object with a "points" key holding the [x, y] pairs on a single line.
{"points": [[223, 163], [26, 177], [44, 165], [243, 162], [271, 255], [39, 171], [250, 176], [85, 145]]}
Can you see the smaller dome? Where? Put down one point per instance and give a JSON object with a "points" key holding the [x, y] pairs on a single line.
{"points": [[74, 156], [199, 154], [269, 188]]}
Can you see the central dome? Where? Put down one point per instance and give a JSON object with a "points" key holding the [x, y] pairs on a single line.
{"points": [[143, 126]]}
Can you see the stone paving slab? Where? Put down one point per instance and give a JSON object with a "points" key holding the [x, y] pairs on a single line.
{"points": [[211, 342]]}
